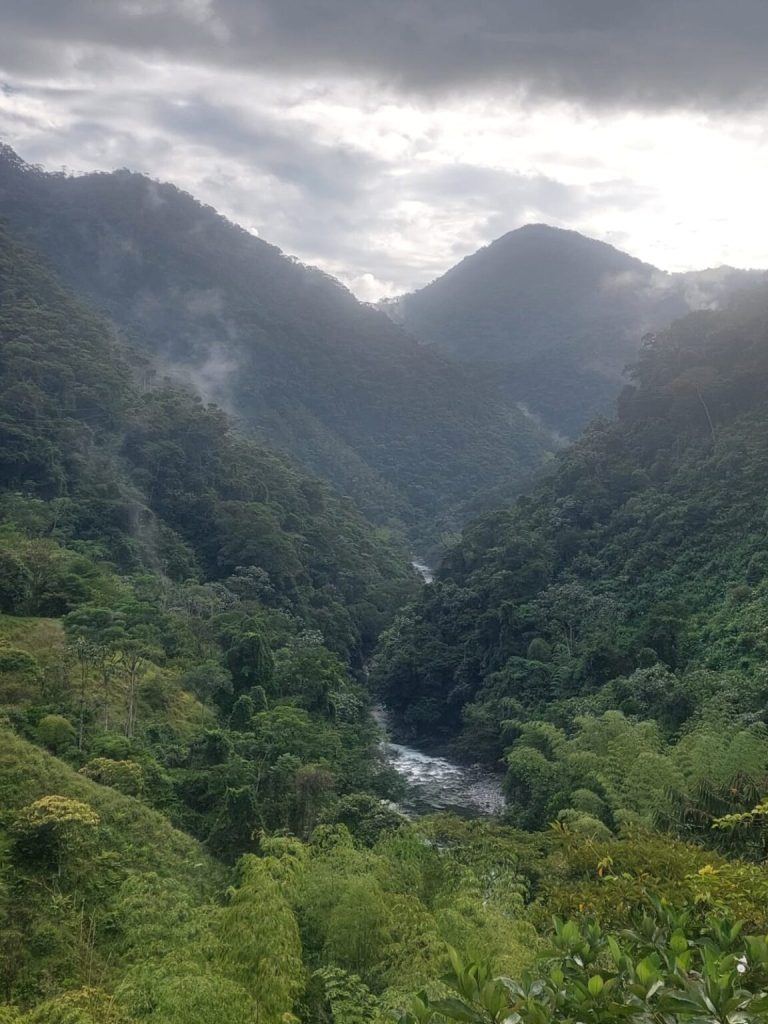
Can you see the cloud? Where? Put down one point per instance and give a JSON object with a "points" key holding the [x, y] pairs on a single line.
{"points": [[290, 154], [384, 141], [642, 54]]}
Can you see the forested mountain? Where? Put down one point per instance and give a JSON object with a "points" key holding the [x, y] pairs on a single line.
{"points": [[285, 348], [193, 825], [151, 478], [197, 823], [621, 606], [554, 317]]}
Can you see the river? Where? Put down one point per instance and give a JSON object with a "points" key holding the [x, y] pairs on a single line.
{"points": [[437, 784], [423, 570]]}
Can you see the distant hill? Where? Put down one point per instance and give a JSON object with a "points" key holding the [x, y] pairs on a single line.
{"points": [[287, 349], [554, 317]]}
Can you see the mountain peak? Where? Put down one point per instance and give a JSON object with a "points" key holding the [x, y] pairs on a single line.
{"points": [[555, 316]]}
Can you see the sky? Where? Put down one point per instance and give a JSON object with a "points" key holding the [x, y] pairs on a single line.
{"points": [[383, 140]]}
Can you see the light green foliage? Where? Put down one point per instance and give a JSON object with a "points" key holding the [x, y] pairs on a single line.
{"points": [[84, 1006], [357, 931], [590, 773], [54, 829], [56, 733], [348, 1000], [180, 992], [660, 969], [260, 944], [125, 776]]}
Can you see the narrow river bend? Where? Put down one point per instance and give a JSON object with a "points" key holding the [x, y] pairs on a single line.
{"points": [[437, 784]]}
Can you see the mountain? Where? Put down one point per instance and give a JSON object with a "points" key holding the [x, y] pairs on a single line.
{"points": [[150, 479], [196, 801], [632, 582], [554, 317], [285, 348]]}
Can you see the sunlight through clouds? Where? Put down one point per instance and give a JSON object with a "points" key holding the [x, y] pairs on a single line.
{"points": [[381, 183]]}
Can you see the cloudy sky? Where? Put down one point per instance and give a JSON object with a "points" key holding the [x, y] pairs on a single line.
{"points": [[385, 139]]}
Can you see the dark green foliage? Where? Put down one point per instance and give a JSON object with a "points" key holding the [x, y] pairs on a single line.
{"points": [[185, 621], [554, 317], [630, 579], [156, 479], [250, 662], [408, 435], [366, 818]]}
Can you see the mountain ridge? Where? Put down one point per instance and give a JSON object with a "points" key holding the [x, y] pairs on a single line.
{"points": [[553, 316], [287, 349]]}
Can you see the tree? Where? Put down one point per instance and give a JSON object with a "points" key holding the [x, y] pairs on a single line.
{"points": [[250, 661], [314, 788], [125, 776], [133, 661], [56, 732], [15, 584], [54, 829], [358, 929], [260, 948], [207, 681]]}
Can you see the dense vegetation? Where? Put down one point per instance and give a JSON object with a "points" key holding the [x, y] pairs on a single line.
{"points": [[408, 435], [196, 819], [149, 478], [619, 607], [554, 317]]}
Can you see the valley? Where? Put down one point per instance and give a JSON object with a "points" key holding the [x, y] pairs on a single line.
{"points": [[261, 762]]}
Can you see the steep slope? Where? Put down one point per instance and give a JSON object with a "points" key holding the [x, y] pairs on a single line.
{"points": [[154, 479], [287, 349], [554, 317], [66, 919], [634, 578]]}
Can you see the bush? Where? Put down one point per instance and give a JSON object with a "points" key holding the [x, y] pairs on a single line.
{"points": [[125, 776], [54, 829], [14, 660], [85, 1006], [56, 733]]}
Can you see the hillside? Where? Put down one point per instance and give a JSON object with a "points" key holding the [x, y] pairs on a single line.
{"points": [[150, 478], [554, 317], [408, 435], [195, 819], [621, 605], [197, 823]]}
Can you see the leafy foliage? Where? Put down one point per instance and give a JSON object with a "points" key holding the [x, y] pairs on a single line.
{"points": [[618, 606], [660, 969]]}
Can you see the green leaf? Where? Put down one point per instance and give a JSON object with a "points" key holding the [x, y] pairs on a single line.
{"points": [[595, 985], [455, 1009]]}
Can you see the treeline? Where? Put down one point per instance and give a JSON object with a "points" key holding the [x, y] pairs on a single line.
{"points": [[148, 478], [184, 621]]}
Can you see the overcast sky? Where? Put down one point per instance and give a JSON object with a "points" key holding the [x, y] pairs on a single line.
{"points": [[385, 139]]}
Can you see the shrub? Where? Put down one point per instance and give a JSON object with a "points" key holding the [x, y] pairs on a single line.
{"points": [[54, 829], [56, 733], [125, 776]]}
